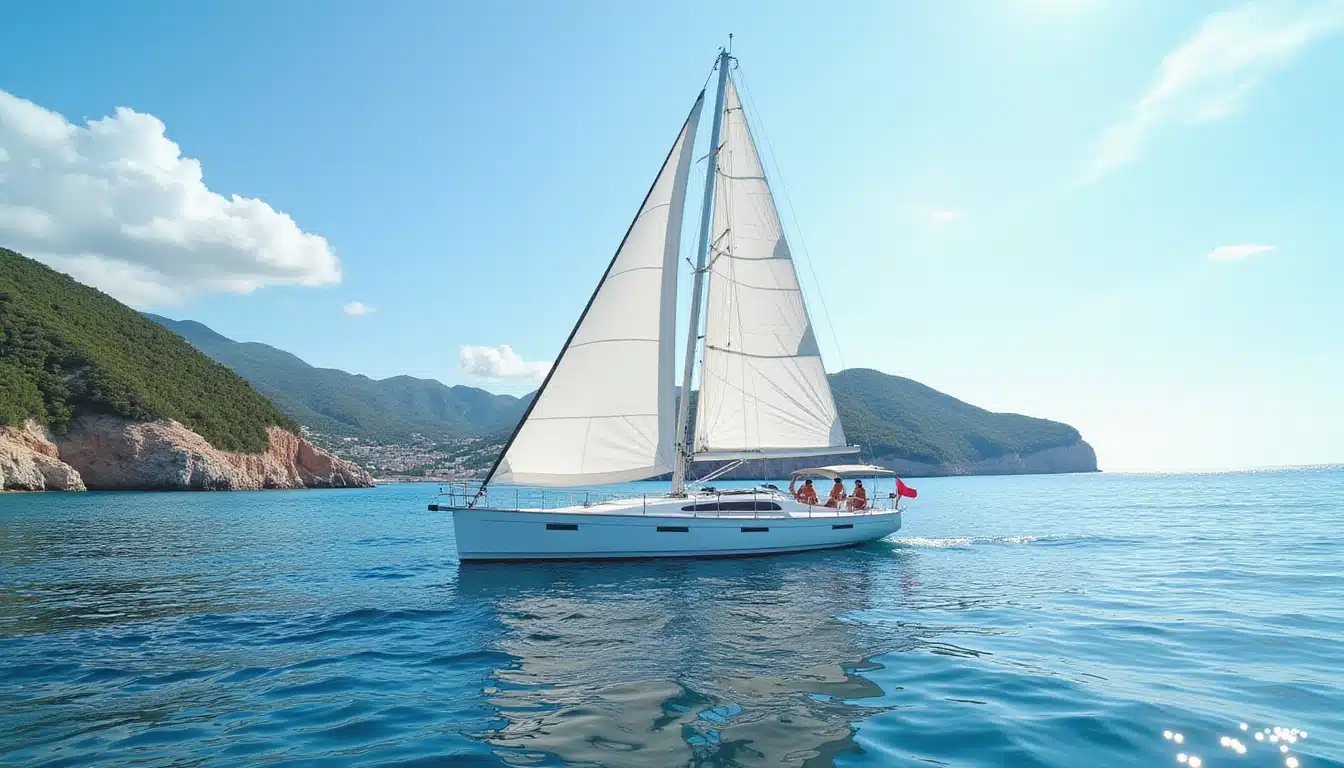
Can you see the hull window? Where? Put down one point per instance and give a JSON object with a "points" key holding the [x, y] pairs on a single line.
{"points": [[562, 527], [842, 526], [733, 506], [748, 529], [673, 529]]}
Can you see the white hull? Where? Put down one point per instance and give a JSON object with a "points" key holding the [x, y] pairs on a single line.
{"points": [[660, 528]]}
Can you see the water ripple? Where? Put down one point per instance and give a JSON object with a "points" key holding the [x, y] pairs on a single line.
{"points": [[1014, 621]]}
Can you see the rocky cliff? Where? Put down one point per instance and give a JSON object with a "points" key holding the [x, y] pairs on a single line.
{"points": [[29, 461], [110, 453]]}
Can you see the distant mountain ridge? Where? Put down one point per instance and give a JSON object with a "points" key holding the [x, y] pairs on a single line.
{"points": [[335, 402], [898, 418], [899, 422]]}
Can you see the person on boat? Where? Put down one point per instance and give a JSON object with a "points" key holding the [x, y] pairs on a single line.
{"points": [[860, 498], [837, 494], [807, 494]]}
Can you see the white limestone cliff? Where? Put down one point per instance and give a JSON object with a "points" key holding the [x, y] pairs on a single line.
{"points": [[29, 461], [110, 453]]}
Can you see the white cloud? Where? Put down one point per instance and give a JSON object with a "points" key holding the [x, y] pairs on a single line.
{"points": [[1237, 252], [1211, 75], [499, 363], [936, 218], [116, 205], [356, 308]]}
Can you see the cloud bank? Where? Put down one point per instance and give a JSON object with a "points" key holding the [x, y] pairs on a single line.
{"points": [[1237, 252], [116, 205], [499, 363], [1212, 74]]}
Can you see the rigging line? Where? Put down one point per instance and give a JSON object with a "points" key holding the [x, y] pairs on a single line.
{"points": [[699, 216], [760, 126], [705, 86], [731, 311], [687, 250], [690, 263], [703, 416], [712, 69]]}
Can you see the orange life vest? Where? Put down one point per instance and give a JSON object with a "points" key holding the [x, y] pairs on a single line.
{"points": [[837, 493]]}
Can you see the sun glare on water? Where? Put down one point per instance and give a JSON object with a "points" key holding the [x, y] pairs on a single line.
{"points": [[1279, 735]]}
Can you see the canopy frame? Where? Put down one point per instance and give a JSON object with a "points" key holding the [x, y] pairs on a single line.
{"points": [[843, 471]]}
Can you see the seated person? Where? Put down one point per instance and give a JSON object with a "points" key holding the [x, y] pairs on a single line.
{"points": [[860, 498], [837, 494], [807, 494]]}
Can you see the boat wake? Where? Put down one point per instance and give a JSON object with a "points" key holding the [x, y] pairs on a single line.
{"points": [[947, 542], [920, 542]]}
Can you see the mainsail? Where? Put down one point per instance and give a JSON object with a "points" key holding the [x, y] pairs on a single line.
{"points": [[763, 390], [606, 411]]}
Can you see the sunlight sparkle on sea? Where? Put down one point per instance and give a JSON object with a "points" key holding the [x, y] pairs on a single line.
{"points": [[1280, 735]]}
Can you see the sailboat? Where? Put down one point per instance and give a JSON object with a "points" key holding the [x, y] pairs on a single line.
{"points": [[608, 411]]}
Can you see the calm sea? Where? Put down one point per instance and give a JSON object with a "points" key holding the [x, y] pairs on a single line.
{"points": [[1013, 622]]}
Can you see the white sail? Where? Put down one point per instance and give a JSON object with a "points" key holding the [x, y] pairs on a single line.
{"points": [[606, 412], [763, 390]]}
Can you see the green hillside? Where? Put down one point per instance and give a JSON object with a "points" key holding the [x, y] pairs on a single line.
{"points": [[338, 403], [67, 349], [894, 416]]}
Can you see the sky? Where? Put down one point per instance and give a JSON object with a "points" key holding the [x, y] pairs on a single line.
{"points": [[1120, 214]]}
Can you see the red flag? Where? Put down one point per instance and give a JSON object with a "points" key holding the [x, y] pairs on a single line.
{"points": [[904, 490]]}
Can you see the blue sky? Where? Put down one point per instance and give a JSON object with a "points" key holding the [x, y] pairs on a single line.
{"points": [[1118, 214]]}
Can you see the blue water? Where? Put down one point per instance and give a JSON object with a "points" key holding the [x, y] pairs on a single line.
{"points": [[1014, 621]]}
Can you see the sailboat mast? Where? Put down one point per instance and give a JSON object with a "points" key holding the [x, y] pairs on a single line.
{"points": [[684, 443]]}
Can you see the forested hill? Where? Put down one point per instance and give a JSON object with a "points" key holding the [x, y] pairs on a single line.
{"points": [[67, 350], [891, 416], [338, 403]]}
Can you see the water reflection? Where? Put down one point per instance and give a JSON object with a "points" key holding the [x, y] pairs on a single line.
{"points": [[677, 663]]}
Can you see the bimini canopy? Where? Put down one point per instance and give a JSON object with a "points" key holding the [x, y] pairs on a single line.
{"points": [[845, 470]]}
